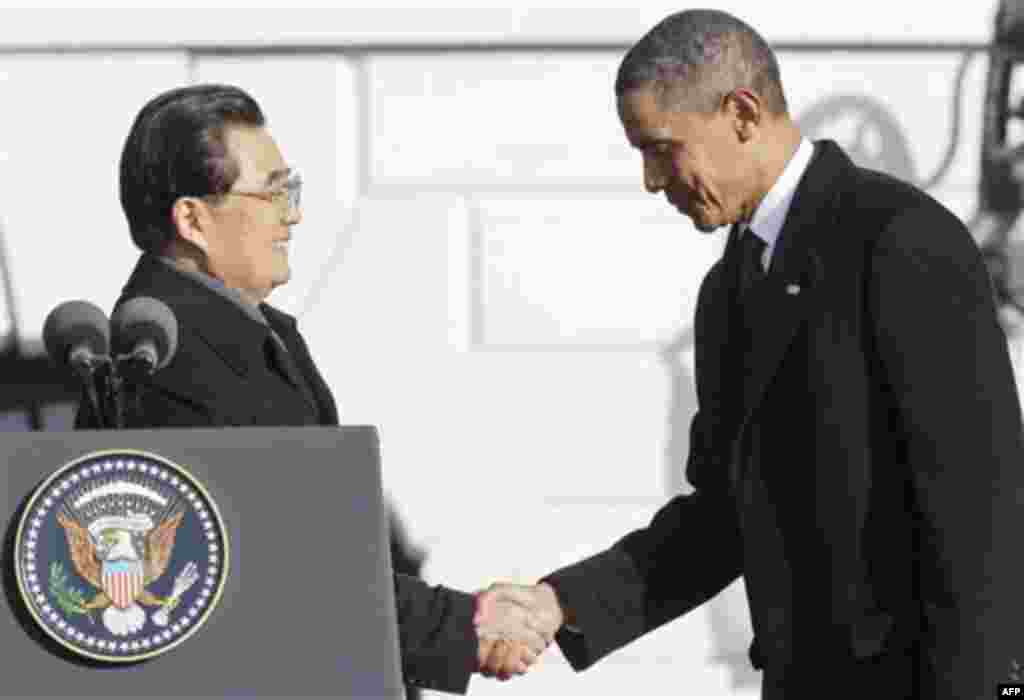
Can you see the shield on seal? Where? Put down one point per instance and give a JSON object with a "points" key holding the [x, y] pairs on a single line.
{"points": [[122, 581]]}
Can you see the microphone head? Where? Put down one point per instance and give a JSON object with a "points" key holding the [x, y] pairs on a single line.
{"points": [[145, 320], [76, 324]]}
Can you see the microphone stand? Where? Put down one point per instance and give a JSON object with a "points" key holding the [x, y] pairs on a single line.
{"points": [[94, 373], [107, 388], [131, 371]]}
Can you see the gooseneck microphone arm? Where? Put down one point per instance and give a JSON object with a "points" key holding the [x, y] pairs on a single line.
{"points": [[94, 374]]}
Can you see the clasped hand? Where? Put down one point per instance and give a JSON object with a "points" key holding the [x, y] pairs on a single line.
{"points": [[514, 624]]}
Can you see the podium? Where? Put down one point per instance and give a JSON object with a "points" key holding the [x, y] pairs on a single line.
{"points": [[307, 606]]}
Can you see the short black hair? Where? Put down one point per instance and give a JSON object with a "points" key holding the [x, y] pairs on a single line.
{"points": [[696, 57], [176, 149]]}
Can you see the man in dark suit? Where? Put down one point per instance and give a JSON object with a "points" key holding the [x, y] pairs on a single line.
{"points": [[856, 455], [211, 202]]}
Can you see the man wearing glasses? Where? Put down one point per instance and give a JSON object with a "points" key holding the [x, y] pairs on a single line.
{"points": [[210, 201]]}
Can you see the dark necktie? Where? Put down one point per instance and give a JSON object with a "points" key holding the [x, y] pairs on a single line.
{"points": [[751, 268], [284, 365]]}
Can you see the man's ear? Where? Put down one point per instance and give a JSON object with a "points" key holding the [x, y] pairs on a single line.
{"points": [[192, 221], [747, 111]]}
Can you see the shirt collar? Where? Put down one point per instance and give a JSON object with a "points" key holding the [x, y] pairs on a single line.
{"points": [[215, 285], [771, 212]]}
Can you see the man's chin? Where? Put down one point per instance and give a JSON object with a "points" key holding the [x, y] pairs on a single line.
{"points": [[699, 222], [703, 225], [280, 280]]}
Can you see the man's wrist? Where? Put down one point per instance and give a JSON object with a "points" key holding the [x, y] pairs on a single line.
{"points": [[565, 616], [478, 610]]}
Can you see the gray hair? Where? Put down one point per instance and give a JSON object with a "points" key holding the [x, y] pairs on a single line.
{"points": [[695, 58]]}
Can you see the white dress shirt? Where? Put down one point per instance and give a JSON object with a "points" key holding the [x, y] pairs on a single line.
{"points": [[771, 212]]}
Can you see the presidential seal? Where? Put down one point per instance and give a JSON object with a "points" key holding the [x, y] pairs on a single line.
{"points": [[121, 555]]}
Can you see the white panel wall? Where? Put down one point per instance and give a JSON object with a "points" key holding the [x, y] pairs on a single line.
{"points": [[578, 271], [579, 21], [65, 118], [896, 110], [481, 119]]}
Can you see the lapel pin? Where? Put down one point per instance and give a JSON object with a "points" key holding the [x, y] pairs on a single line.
{"points": [[792, 289]]}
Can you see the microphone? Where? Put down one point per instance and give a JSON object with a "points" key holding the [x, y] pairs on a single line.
{"points": [[77, 335], [145, 336]]}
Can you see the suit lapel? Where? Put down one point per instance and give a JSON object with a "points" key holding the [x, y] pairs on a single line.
{"points": [[778, 305], [712, 334], [303, 373], [774, 312]]}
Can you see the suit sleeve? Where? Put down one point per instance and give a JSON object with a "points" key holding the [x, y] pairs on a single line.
{"points": [[160, 408], [947, 366], [157, 409], [689, 552], [437, 638]]}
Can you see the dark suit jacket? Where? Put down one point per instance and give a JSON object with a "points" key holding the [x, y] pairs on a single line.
{"points": [[220, 376], [888, 429]]}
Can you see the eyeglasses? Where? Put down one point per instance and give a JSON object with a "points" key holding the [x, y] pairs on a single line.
{"points": [[287, 196]]}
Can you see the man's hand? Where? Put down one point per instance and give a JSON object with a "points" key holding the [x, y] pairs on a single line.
{"points": [[515, 624], [509, 638], [502, 659]]}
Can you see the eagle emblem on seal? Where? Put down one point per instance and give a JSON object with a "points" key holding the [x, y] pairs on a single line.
{"points": [[106, 554]]}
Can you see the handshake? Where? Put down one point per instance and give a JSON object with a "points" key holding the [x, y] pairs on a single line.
{"points": [[514, 624]]}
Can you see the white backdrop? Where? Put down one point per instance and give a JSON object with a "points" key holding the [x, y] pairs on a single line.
{"points": [[479, 272]]}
